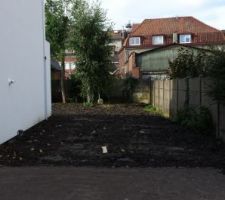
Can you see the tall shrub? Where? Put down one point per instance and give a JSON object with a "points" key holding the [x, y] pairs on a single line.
{"points": [[57, 29], [90, 39], [216, 65], [188, 63]]}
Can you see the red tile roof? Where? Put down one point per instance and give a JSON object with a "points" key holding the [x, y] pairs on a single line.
{"points": [[172, 25], [202, 34]]}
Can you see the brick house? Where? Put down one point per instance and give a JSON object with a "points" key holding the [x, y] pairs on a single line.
{"points": [[70, 63], [157, 33], [116, 45]]}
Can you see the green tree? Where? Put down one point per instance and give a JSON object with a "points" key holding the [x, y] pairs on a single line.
{"points": [[90, 39], [188, 63], [216, 71], [57, 29]]}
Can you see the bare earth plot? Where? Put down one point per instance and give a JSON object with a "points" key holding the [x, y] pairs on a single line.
{"points": [[148, 158], [74, 136]]}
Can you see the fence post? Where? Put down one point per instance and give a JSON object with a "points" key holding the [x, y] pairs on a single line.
{"points": [[163, 106], [200, 90], [218, 119], [170, 94], [187, 98], [153, 86], [150, 92], [177, 94], [158, 94]]}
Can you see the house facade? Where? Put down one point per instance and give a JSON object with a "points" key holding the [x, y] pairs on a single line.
{"points": [[157, 33], [116, 44], [25, 77], [70, 63]]}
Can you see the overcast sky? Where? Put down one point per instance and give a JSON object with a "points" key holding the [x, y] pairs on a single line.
{"points": [[212, 12]]}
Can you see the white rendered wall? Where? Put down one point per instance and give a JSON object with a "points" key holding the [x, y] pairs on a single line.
{"points": [[24, 58], [48, 98]]}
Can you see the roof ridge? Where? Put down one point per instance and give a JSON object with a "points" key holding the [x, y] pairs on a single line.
{"points": [[181, 19], [138, 27], [173, 45], [148, 19], [168, 17]]}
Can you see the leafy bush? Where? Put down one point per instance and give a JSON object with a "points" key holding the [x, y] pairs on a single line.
{"points": [[216, 71], [198, 119], [209, 63], [188, 63], [129, 86], [88, 104]]}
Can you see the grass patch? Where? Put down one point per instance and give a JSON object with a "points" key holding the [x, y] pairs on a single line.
{"points": [[152, 109], [88, 105]]}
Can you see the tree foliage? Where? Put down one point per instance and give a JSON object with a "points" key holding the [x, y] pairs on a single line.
{"points": [[210, 64], [57, 29], [57, 26], [188, 63], [90, 39], [216, 71]]}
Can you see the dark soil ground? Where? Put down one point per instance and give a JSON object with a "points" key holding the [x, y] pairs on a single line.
{"points": [[74, 136]]}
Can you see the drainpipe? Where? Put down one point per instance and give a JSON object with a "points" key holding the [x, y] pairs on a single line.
{"points": [[44, 62]]}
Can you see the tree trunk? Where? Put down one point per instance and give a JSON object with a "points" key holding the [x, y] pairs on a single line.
{"points": [[63, 78], [88, 98], [89, 95]]}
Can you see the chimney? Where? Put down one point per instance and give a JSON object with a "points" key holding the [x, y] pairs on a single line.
{"points": [[124, 34], [128, 27]]}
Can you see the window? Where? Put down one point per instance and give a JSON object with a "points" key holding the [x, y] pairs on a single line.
{"points": [[135, 41], [185, 38], [67, 65], [157, 40]]}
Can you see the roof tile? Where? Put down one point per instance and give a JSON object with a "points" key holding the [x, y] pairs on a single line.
{"points": [[172, 25]]}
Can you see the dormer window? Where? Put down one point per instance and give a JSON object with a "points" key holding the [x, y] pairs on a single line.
{"points": [[185, 38], [135, 41], [158, 40]]}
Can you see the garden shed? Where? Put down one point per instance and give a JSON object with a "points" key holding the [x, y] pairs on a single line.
{"points": [[155, 63]]}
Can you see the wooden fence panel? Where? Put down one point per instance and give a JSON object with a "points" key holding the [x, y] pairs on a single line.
{"points": [[194, 92], [222, 122], [182, 90], [167, 97], [172, 95]]}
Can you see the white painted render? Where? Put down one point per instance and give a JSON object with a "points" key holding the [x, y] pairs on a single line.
{"points": [[25, 90]]}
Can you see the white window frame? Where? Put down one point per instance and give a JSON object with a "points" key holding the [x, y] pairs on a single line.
{"points": [[157, 39], [185, 38], [135, 41]]}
